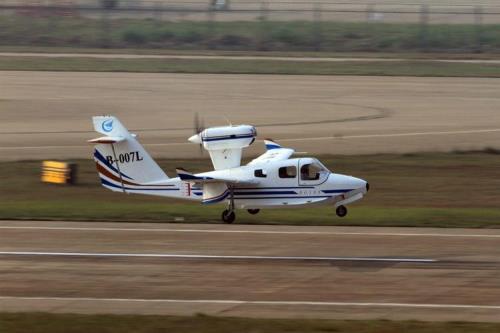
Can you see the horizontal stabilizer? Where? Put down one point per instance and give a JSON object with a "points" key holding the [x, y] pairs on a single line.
{"points": [[215, 177], [270, 144], [274, 152], [188, 176], [107, 139]]}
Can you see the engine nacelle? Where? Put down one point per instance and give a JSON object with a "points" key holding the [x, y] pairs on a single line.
{"points": [[227, 137]]}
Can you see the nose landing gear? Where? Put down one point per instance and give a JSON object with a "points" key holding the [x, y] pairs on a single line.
{"points": [[341, 211]]}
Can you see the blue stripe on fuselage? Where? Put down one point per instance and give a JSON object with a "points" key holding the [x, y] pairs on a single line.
{"points": [[274, 188], [262, 192], [108, 183], [337, 191], [296, 197]]}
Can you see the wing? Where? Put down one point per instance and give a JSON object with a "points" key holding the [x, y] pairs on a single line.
{"points": [[215, 177], [226, 158], [216, 184], [274, 153]]}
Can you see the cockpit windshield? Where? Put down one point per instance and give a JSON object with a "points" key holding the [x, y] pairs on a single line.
{"points": [[313, 170]]}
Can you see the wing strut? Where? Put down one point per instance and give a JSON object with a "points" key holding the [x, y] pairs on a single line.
{"points": [[231, 198]]}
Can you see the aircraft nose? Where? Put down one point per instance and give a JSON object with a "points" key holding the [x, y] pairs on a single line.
{"points": [[349, 182], [358, 183]]}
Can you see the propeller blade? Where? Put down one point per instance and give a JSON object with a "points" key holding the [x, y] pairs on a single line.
{"points": [[198, 126]]}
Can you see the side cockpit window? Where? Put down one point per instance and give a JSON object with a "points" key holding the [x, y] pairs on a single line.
{"points": [[260, 173], [287, 172]]}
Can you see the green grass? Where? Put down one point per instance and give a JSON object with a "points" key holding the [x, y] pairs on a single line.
{"points": [[73, 323], [431, 189], [407, 55], [267, 35], [225, 66]]}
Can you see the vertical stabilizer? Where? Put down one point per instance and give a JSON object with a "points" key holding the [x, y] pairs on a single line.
{"points": [[122, 162]]}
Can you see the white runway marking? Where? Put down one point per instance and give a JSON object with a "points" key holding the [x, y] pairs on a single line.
{"points": [[319, 138], [394, 135], [229, 231], [89, 146], [242, 302], [207, 256]]}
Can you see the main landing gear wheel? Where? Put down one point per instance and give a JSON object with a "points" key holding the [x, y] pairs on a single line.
{"points": [[228, 216], [341, 211], [253, 211]]}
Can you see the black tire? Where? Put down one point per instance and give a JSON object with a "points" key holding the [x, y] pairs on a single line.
{"points": [[228, 217], [341, 211], [253, 211]]}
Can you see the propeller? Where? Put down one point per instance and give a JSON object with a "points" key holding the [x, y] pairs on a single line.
{"points": [[198, 127], [199, 124]]}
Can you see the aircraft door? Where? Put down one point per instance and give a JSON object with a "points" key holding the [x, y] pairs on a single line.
{"points": [[311, 172]]}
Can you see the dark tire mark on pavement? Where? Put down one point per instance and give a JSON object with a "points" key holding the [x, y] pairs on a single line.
{"points": [[379, 113]]}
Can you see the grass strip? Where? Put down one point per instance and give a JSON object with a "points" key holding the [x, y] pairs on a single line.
{"points": [[129, 211], [230, 66], [406, 55], [76, 323]]}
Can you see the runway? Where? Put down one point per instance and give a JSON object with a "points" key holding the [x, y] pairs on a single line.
{"points": [[48, 115], [250, 270]]}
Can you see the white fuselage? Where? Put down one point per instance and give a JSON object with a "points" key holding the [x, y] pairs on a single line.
{"points": [[272, 189]]}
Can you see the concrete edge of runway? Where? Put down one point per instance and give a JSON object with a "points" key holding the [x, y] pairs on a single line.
{"points": [[280, 309], [250, 229]]}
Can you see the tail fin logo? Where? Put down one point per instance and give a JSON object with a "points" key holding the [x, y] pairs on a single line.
{"points": [[107, 126]]}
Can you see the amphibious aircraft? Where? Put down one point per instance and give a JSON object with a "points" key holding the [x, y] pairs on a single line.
{"points": [[273, 179]]}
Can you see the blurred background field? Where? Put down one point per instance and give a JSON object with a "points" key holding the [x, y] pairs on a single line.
{"points": [[329, 36], [368, 26]]}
